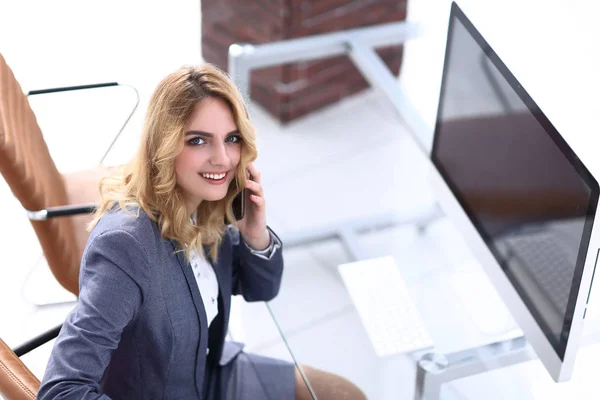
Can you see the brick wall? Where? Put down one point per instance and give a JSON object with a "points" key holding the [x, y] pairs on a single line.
{"points": [[293, 90]]}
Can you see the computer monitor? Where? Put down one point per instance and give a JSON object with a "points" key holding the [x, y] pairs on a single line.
{"points": [[519, 195]]}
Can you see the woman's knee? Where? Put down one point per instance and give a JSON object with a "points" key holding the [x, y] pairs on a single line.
{"points": [[325, 385]]}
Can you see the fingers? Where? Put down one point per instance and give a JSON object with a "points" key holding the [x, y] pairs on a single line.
{"points": [[253, 184], [254, 172], [255, 188], [259, 201]]}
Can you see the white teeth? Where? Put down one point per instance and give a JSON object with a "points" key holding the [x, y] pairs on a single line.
{"points": [[214, 176]]}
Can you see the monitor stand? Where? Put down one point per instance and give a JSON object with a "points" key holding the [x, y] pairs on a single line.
{"points": [[434, 370]]}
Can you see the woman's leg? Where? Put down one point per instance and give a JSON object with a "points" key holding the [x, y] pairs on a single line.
{"points": [[327, 386]]}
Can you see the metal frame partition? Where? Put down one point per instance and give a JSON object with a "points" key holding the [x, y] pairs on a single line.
{"points": [[433, 370], [359, 45]]}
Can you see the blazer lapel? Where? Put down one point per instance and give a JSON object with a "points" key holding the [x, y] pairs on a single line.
{"points": [[186, 268]]}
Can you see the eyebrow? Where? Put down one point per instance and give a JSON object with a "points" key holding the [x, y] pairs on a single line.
{"points": [[208, 134]]}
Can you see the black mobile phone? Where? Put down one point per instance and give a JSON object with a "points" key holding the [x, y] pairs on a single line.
{"points": [[239, 205]]}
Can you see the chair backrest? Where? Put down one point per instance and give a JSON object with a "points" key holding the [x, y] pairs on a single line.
{"points": [[16, 380], [27, 167]]}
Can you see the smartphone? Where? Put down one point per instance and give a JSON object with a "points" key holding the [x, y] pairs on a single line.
{"points": [[239, 205]]}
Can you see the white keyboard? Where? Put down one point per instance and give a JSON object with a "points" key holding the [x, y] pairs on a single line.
{"points": [[385, 307]]}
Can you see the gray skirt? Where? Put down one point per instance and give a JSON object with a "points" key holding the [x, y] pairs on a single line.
{"points": [[252, 377]]}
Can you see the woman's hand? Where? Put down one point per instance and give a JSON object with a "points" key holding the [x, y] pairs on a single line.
{"points": [[253, 227]]}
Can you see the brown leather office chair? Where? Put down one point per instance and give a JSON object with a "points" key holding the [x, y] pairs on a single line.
{"points": [[16, 380], [58, 205]]}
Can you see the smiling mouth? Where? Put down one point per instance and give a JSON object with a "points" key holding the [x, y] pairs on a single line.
{"points": [[214, 177]]}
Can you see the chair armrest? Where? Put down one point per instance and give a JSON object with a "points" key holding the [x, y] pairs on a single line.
{"points": [[37, 341], [71, 88], [94, 86], [17, 382], [61, 211]]}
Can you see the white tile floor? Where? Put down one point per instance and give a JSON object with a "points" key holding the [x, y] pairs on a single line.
{"points": [[350, 160]]}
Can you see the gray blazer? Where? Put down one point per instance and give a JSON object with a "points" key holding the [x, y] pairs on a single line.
{"points": [[139, 330]]}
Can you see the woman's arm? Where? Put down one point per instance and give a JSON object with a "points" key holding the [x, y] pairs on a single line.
{"points": [[113, 271], [256, 274]]}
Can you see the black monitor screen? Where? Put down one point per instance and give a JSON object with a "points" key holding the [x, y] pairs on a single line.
{"points": [[524, 189]]}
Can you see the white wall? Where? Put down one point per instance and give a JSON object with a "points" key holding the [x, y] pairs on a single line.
{"points": [[551, 46], [73, 42]]}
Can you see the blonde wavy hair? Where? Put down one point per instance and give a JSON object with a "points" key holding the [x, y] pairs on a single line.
{"points": [[149, 181]]}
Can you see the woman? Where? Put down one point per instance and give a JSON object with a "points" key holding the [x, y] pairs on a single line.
{"points": [[164, 256]]}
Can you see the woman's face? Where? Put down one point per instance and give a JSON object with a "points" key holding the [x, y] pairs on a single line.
{"points": [[211, 152]]}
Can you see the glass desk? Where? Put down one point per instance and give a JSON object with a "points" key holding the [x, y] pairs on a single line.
{"points": [[321, 327]]}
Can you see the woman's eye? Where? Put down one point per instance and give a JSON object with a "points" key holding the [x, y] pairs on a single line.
{"points": [[196, 141], [234, 139]]}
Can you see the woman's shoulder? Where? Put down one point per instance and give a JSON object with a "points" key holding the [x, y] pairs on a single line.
{"points": [[132, 220], [121, 238]]}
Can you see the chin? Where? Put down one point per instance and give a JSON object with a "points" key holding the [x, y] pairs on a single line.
{"points": [[213, 195]]}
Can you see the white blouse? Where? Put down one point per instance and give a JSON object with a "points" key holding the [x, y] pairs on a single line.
{"points": [[207, 284]]}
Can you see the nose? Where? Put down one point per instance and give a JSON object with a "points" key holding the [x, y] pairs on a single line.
{"points": [[218, 155]]}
